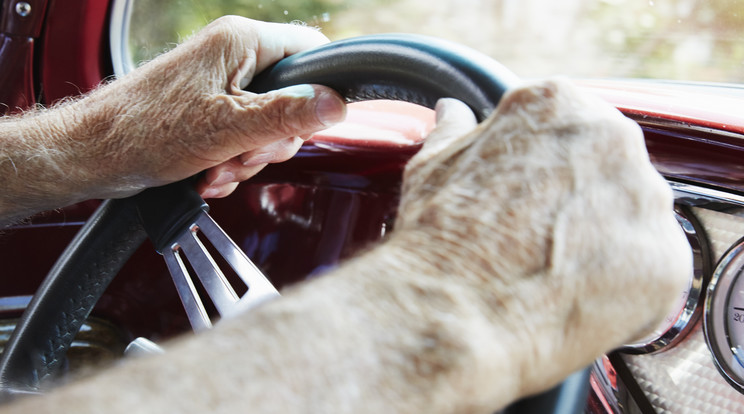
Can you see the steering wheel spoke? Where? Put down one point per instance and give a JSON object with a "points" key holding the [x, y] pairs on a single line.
{"points": [[193, 305], [218, 288], [260, 288]]}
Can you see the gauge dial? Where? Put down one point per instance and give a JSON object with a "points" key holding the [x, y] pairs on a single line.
{"points": [[724, 316], [688, 307], [735, 320]]}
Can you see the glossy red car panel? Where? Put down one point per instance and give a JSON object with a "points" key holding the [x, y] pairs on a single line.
{"points": [[74, 48]]}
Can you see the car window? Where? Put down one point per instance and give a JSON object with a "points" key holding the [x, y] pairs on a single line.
{"points": [[664, 39]]}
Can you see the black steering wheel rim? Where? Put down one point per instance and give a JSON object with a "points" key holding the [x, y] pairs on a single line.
{"points": [[406, 67]]}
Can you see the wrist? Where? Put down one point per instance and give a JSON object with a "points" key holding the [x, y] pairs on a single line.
{"points": [[519, 305], [519, 331], [456, 332]]}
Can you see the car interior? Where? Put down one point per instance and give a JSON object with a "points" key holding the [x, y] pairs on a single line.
{"points": [[672, 66]]}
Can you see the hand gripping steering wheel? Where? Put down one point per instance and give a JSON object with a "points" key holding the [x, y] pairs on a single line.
{"points": [[412, 68]]}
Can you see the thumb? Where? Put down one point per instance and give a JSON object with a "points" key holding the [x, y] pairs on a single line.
{"points": [[454, 121], [293, 111]]}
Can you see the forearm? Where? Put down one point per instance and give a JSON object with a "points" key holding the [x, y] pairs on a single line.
{"points": [[38, 163], [360, 339]]}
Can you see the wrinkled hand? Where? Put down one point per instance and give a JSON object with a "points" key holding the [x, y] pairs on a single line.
{"points": [[552, 211], [185, 111]]}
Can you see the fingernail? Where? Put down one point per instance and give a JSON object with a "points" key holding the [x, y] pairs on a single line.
{"points": [[222, 179], [443, 108], [209, 193], [330, 109], [257, 159], [298, 91], [440, 109]]}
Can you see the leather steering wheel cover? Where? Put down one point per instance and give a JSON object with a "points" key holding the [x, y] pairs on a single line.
{"points": [[406, 67]]}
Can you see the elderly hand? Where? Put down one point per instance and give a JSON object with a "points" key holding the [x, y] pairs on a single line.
{"points": [[553, 213], [186, 111], [180, 114]]}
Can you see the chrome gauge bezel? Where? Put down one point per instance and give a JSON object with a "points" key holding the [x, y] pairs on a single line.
{"points": [[693, 304], [714, 323]]}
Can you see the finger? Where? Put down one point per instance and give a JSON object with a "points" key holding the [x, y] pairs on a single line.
{"points": [[256, 120], [231, 171], [226, 175], [218, 192], [245, 47], [277, 151], [271, 42], [454, 121], [220, 174], [278, 40], [221, 178]]}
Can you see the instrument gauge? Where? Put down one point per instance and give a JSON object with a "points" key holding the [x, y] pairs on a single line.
{"points": [[724, 316], [688, 308]]}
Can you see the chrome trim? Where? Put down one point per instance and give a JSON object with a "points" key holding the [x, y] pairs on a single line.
{"points": [[23, 9], [14, 303], [692, 309], [696, 196], [192, 304], [605, 384], [620, 393], [714, 324], [121, 16], [615, 389], [142, 347], [647, 121], [32, 225]]}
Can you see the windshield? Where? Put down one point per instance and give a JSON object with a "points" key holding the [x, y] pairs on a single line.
{"points": [[700, 40]]}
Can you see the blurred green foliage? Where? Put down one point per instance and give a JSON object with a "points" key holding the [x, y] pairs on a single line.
{"points": [[160, 25], [669, 39], [673, 39]]}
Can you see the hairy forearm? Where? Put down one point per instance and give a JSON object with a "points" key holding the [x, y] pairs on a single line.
{"points": [[50, 158], [360, 339], [37, 162]]}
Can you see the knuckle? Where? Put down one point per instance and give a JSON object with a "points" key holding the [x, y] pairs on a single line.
{"points": [[216, 114], [218, 31], [227, 35], [224, 25]]}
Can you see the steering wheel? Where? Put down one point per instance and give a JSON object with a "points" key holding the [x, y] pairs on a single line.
{"points": [[412, 68]]}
